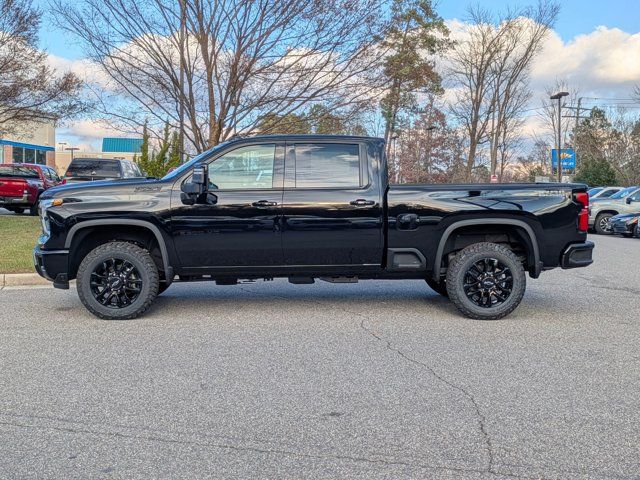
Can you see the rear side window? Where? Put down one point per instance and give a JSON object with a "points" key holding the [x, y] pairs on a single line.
{"points": [[327, 165], [608, 193], [94, 168]]}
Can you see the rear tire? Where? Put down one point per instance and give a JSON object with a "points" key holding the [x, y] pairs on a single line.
{"points": [[486, 281], [438, 287], [117, 281], [601, 221]]}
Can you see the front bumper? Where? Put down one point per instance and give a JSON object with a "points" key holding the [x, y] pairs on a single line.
{"points": [[52, 265], [577, 255], [621, 227]]}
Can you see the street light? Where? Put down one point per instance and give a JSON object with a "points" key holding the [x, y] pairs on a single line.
{"points": [[62, 145], [72, 149], [558, 96]]}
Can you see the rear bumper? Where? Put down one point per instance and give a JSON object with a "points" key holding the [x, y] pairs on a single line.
{"points": [[577, 255], [23, 200], [52, 265]]}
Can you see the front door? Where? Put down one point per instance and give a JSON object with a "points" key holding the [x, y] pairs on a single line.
{"points": [[332, 210], [242, 229]]}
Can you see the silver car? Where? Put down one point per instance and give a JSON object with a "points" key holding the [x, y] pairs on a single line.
{"points": [[601, 210]]}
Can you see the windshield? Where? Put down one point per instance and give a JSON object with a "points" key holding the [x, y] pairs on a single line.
{"points": [[18, 172], [593, 191], [187, 166], [624, 192], [94, 168]]}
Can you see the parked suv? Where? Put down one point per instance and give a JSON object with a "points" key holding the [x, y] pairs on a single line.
{"points": [[601, 210], [603, 192], [88, 169], [22, 183]]}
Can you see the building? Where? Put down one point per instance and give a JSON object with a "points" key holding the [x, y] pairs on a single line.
{"points": [[30, 142]]}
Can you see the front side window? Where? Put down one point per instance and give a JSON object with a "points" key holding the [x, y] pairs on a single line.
{"points": [[335, 165], [243, 168]]}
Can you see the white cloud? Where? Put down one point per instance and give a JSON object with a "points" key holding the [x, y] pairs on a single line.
{"points": [[86, 134]]}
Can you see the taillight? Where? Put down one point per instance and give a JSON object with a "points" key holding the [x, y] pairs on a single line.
{"points": [[583, 217]]}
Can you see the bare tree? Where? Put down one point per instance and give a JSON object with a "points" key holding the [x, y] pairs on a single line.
{"points": [[491, 68], [243, 60], [30, 89]]}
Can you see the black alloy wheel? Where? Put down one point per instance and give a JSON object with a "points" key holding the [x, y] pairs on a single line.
{"points": [[115, 283], [117, 280], [488, 282]]}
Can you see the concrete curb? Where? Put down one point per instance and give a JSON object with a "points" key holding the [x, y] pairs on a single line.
{"points": [[21, 279]]}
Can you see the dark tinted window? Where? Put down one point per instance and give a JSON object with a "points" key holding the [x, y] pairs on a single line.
{"points": [[94, 168], [20, 172], [327, 165], [608, 193]]}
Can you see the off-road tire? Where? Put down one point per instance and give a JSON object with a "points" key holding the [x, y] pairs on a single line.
{"points": [[438, 287], [464, 260], [599, 218], [132, 253]]}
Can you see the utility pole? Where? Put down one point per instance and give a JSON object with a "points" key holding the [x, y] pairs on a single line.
{"points": [[578, 116], [183, 22], [558, 96]]}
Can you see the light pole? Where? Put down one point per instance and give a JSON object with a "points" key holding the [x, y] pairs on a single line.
{"points": [[558, 96], [72, 149], [62, 145]]}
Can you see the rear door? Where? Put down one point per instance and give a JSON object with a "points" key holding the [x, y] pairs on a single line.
{"points": [[332, 211]]}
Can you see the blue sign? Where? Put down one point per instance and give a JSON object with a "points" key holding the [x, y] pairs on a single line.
{"points": [[568, 156]]}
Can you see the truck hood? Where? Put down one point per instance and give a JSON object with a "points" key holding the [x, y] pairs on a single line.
{"points": [[97, 187]]}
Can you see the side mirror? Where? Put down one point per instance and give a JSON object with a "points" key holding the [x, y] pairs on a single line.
{"points": [[195, 190], [629, 200]]}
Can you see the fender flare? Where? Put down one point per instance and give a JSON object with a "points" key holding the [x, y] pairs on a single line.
{"points": [[125, 221], [489, 221]]}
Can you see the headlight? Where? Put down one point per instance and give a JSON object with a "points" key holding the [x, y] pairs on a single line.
{"points": [[43, 206]]}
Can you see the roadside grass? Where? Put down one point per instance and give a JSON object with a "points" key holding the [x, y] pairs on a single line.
{"points": [[18, 235]]}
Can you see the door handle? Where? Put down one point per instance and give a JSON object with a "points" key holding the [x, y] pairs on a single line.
{"points": [[361, 202], [264, 204]]}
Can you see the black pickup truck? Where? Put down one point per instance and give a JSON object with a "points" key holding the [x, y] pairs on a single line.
{"points": [[305, 207]]}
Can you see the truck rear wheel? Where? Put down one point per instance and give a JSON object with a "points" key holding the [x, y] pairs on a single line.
{"points": [[486, 281], [117, 281]]}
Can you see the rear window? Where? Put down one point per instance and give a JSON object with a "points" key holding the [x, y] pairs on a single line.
{"points": [[624, 192], [18, 172], [593, 191], [94, 168]]}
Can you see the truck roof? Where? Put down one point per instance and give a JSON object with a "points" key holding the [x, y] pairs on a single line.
{"points": [[309, 137]]}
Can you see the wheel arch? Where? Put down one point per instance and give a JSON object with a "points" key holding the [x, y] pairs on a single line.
{"points": [[530, 236], [125, 222]]}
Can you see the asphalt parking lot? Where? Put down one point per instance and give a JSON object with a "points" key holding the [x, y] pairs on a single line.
{"points": [[374, 380]]}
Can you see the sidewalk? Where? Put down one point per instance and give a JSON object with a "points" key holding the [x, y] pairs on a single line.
{"points": [[21, 279]]}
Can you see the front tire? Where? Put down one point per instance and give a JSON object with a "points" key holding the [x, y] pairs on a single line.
{"points": [[117, 281], [486, 281], [602, 220]]}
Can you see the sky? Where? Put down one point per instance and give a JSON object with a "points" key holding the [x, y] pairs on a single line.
{"points": [[595, 46]]}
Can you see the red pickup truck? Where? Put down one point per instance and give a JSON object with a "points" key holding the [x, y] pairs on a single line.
{"points": [[22, 183]]}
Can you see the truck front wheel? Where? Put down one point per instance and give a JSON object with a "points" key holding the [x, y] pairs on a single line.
{"points": [[117, 281], [486, 281]]}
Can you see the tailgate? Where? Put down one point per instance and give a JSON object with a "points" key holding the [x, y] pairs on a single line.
{"points": [[12, 187]]}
